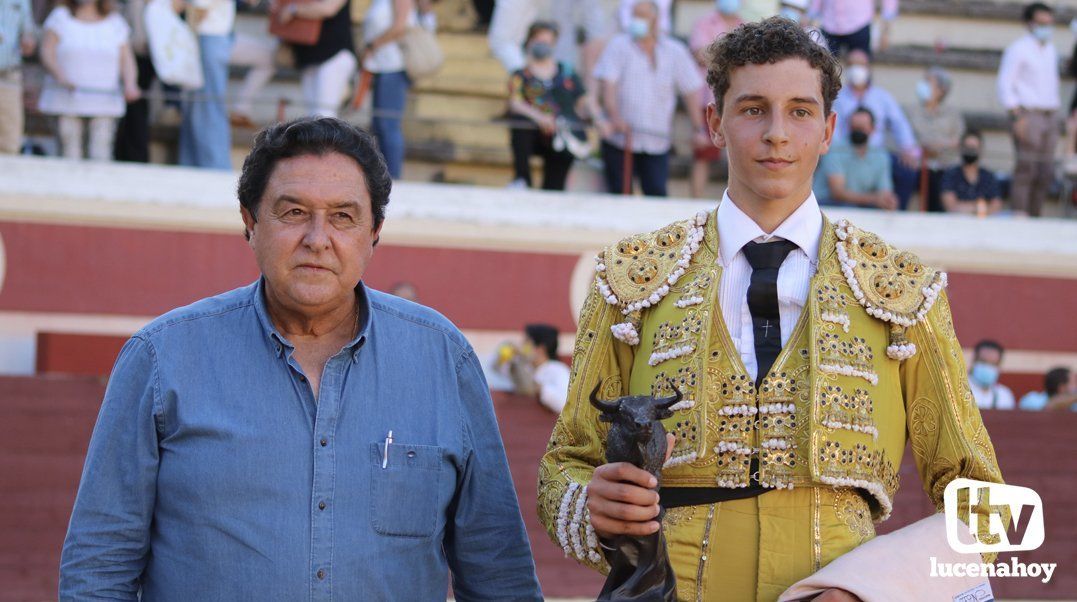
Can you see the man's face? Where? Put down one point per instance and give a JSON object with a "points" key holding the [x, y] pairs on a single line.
{"points": [[315, 233], [989, 355], [773, 129], [646, 12], [970, 144], [1042, 17], [861, 122]]}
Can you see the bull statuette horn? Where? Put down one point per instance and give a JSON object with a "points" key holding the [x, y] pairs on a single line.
{"points": [[666, 402], [606, 407]]}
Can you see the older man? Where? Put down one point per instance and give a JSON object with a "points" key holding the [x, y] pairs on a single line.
{"points": [[641, 73], [303, 437]]}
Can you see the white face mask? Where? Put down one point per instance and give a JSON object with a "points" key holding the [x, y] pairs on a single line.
{"points": [[858, 75], [924, 91], [1043, 33]]}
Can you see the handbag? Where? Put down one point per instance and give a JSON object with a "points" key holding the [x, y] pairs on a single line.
{"points": [[173, 46], [422, 54], [304, 32]]}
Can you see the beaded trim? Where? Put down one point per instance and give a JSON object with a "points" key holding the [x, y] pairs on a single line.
{"points": [[577, 520], [562, 517], [684, 404], [626, 331], [660, 356], [875, 489], [732, 447], [741, 410], [898, 350], [847, 370], [687, 301], [836, 318], [834, 424], [681, 459]]}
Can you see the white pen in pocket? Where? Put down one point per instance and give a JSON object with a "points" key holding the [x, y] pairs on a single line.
{"points": [[385, 454]]}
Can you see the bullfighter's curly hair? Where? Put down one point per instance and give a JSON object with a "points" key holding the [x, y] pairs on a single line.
{"points": [[770, 41]]}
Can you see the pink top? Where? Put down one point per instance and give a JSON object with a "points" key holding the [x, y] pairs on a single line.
{"points": [[843, 17], [705, 31]]}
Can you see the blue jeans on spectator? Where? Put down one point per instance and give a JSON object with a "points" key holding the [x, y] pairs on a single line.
{"points": [[390, 95], [906, 180], [205, 134], [860, 39], [652, 170]]}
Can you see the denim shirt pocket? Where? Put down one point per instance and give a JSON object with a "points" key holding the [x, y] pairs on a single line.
{"points": [[404, 498]]}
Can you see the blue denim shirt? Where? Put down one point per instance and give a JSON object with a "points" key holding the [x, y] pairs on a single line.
{"points": [[214, 474]]}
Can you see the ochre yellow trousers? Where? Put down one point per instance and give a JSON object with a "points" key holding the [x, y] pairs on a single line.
{"points": [[753, 549]]}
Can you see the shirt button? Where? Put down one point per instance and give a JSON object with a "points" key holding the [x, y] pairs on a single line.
{"points": [[324, 442], [302, 378], [321, 573], [321, 505]]}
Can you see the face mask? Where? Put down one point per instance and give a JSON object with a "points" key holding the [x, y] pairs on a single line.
{"points": [[1043, 33], [924, 91], [728, 7], [858, 137], [540, 50], [858, 75], [638, 28], [985, 375], [968, 157], [1073, 25]]}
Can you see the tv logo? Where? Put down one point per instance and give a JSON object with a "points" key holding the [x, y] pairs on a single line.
{"points": [[978, 509]]}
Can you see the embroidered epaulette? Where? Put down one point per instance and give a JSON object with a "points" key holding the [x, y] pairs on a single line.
{"points": [[892, 285], [637, 272]]}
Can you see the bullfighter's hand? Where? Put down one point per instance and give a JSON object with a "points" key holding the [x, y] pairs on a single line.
{"points": [[622, 498]]}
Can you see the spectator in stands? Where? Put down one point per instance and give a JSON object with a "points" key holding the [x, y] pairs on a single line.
{"points": [[87, 55], [16, 40], [641, 72], [1028, 88], [890, 121], [534, 369], [757, 10], [1060, 392], [1070, 149], [983, 377], [797, 10], [327, 66], [259, 53], [625, 14], [969, 188], [512, 18], [132, 141], [847, 23], [938, 126], [545, 98], [205, 138], [854, 173], [387, 21], [707, 29]]}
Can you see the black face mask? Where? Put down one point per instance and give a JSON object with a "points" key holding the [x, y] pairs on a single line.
{"points": [[969, 157], [858, 137]]}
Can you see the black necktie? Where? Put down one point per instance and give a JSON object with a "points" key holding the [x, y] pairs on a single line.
{"points": [[765, 259]]}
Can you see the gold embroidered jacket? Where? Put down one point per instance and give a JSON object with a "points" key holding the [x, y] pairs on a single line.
{"points": [[873, 359]]}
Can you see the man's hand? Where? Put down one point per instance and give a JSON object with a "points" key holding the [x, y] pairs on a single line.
{"points": [[131, 93], [910, 159], [622, 499], [548, 124], [886, 199], [835, 595]]}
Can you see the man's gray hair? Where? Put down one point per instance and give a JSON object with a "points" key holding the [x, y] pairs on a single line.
{"points": [[942, 79]]}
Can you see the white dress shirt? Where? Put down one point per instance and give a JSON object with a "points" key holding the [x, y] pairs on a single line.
{"points": [[1028, 75], [735, 229]]}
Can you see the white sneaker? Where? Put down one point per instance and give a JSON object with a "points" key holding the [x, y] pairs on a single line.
{"points": [[517, 184]]}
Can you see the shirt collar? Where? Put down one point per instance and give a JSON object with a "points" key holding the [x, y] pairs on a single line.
{"points": [[804, 227], [281, 344]]}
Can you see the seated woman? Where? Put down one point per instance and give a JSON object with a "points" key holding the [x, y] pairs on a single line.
{"points": [[541, 94], [969, 188]]}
